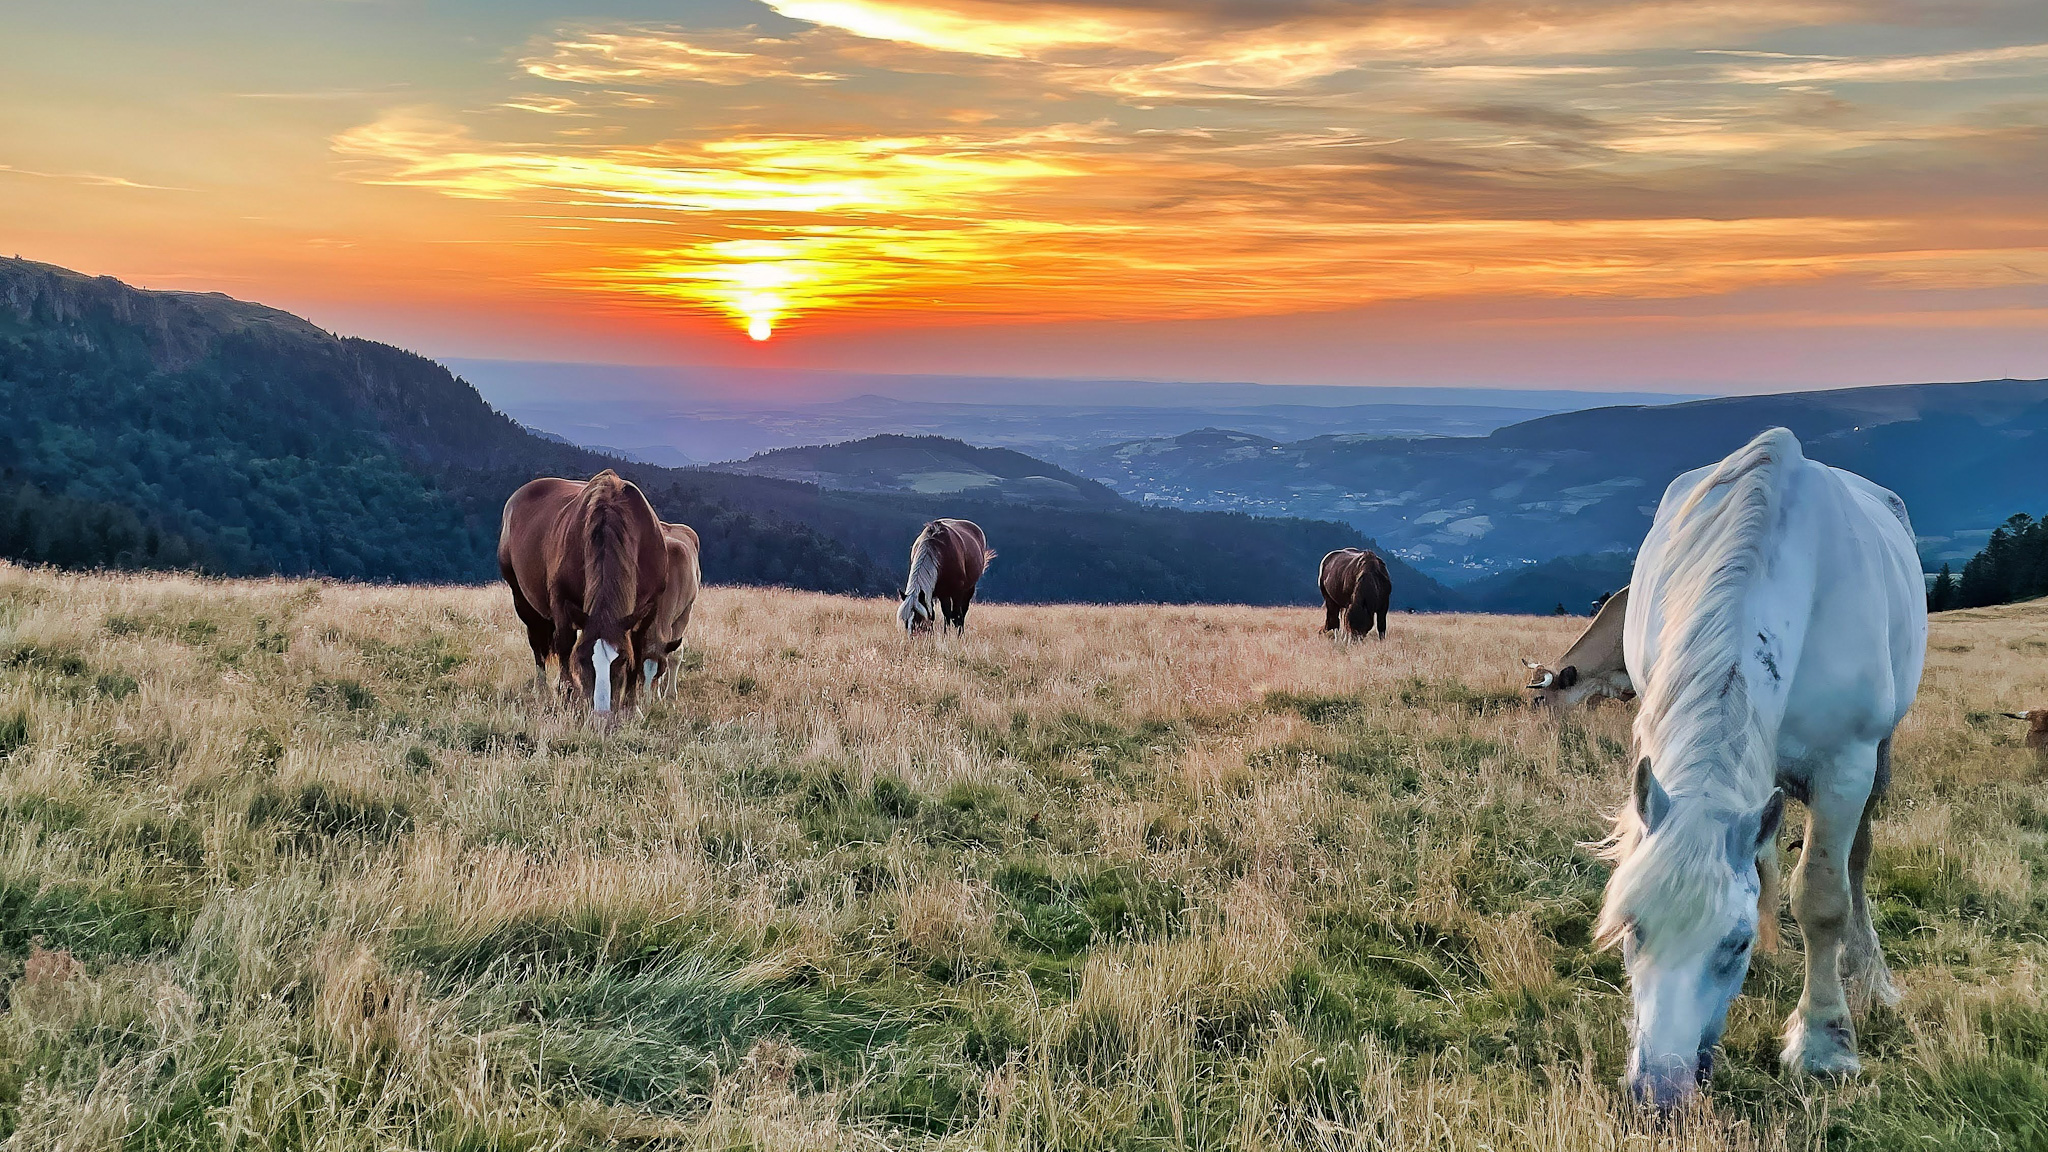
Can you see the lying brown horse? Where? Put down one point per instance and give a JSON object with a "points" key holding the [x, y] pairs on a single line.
{"points": [[2037, 731], [663, 633], [588, 559], [1592, 667], [945, 564], [1356, 589]]}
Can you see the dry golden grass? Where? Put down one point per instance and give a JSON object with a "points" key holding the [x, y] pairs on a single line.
{"points": [[293, 865]]}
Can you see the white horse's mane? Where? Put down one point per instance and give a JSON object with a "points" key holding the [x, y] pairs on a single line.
{"points": [[924, 572], [1704, 741]]}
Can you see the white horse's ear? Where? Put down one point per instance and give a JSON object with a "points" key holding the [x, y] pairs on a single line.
{"points": [[1651, 801], [1748, 835], [1773, 816], [1531, 665]]}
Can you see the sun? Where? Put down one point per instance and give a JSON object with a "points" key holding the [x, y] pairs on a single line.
{"points": [[760, 327]]}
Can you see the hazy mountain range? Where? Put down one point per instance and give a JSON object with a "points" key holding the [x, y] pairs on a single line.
{"points": [[191, 429], [1964, 457], [678, 416]]}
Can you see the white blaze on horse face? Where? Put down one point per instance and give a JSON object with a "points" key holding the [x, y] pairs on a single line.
{"points": [[601, 657], [1685, 971], [1681, 1005]]}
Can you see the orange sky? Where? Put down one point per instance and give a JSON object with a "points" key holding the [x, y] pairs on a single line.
{"points": [[1725, 194]]}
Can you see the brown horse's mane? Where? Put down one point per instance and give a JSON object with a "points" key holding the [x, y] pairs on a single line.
{"points": [[609, 577]]}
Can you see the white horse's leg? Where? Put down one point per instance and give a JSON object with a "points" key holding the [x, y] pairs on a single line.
{"points": [[1820, 1038], [1870, 981]]}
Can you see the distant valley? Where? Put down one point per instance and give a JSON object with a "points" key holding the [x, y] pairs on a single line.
{"points": [[1964, 456], [678, 416]]}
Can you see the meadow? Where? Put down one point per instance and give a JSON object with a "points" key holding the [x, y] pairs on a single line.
{"points": [[301, 865]]}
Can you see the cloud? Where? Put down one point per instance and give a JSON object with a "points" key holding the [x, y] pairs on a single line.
{"points": [[666, 56], [1164, 52], [1082, 222], [1977, 64], [1160, 159], [95, 179]]}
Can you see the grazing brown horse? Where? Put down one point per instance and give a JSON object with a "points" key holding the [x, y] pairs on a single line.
{"points": [[1356, 589], [589, 559], [945, 564], [663, 633]]}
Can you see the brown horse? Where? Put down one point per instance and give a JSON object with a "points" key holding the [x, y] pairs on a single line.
{"points": [[2037, 732], [946, 563], [663, 633], [1592, 667], [584, 558], [1356, 589]]}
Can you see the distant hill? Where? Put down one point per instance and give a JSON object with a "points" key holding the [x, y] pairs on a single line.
{"points": [[175, 429], [1572, 581], [1962, 455], [927, 466]]}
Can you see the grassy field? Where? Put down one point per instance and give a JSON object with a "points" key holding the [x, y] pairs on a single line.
{"points": [[292, 865]]}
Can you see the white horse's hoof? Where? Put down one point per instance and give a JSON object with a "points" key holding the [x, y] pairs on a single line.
{"points": [[1825, 1048]]}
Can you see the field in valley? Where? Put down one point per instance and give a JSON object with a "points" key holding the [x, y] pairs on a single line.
{"points": [[301, 865]]}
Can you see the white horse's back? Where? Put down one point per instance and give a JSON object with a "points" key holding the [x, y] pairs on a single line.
{"points": [[1833, 623]]}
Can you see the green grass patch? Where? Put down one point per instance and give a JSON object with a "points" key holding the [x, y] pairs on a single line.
{"points": [[320, 811], [87, 923], [347, 693], [14, 734], [1314, 708], [657, 1036], [1456, 696], [1052, 916], [1102, 747]]}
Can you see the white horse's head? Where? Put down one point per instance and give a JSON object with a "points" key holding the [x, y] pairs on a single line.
{"points": [[1684, 905]]}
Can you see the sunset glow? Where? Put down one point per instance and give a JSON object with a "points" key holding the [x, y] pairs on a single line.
{"points": [[861, 177]]}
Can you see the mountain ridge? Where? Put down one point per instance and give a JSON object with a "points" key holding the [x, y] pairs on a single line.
{"points": [[269, 445], [1964, 456]]}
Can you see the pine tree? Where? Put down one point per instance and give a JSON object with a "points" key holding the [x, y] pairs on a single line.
{"points": [[1942, 596]]}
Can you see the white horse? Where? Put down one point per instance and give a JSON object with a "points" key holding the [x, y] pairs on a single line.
{"points": [[1776, 631]]}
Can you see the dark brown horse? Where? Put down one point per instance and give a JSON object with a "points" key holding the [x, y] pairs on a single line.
{"points": [[588, 559], [1356, 589], [945, 564]]}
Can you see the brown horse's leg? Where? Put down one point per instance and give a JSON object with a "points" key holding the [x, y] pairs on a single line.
{"points": [[565, 654], [1383, 623], [1332, 616], [540, 631], [631, 659]]}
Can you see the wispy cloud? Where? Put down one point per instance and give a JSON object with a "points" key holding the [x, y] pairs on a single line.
{"points": [[659, 56], [1979, 64], [95, 179]]}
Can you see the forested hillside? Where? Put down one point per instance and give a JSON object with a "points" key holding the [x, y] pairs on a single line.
{"points": [[188, 430], [2013, 566]]}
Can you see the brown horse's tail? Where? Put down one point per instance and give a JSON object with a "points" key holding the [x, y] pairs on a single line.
{"points": [[609, 574]]}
